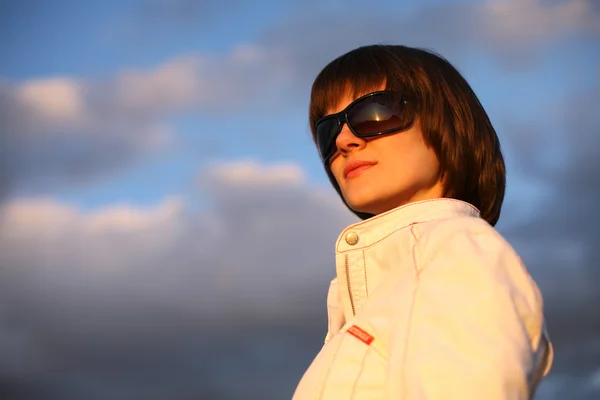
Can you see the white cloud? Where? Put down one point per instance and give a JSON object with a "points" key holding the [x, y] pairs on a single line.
{"points": [[218, 82], [59, 100], [525, 23], [252, 173], [30, 215], [174, 84], [253, 245]]}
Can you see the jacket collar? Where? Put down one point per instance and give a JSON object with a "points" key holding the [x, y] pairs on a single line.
{"points": [[365, 233]]}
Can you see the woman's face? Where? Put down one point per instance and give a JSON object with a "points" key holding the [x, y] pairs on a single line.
{"points": [[399, 168]]}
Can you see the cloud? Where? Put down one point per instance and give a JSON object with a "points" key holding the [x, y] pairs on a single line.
{"points": [[55, 99], [125, 299], [560, 242], [515, 24], [513, 33], [52, 133], [529, 23], [199, 83], [249, 173], [73, 130]]}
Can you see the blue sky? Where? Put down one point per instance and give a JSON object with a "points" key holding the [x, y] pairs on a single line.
{"points": [[142, 140], [99, 40]]}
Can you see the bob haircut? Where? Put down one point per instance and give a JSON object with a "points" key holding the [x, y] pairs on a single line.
{"points": [[452, 119]]}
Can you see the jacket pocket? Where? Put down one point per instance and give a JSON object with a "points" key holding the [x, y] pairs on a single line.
{"points": [[353, 367]]}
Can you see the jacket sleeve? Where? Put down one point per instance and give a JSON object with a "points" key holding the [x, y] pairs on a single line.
{"points": [[475, 325]]}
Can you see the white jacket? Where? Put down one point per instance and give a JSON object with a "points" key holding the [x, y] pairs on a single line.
{"points": [[429, 303]]}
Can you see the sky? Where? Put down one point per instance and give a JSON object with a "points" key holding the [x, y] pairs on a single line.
{"points": [[166, 228]]}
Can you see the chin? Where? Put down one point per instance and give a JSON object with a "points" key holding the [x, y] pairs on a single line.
{"points": [[371, 204], [367, 207]]}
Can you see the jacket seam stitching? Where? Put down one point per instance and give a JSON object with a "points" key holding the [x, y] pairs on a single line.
{"points": [[326, 375], [416, 249], [450, 200], [380, 240], [411, 317], [365, 271], [328, 323], [360, 372]]}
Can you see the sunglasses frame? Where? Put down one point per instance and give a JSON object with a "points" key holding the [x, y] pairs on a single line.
{"points": [[342, 118]]}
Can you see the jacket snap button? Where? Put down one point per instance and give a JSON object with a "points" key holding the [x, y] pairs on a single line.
{"points": [[351, 238]]}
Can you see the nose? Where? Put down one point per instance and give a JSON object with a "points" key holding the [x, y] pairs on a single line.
{"points": [[346, 142]]}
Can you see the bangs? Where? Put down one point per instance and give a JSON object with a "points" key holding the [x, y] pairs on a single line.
{"points": [[354, 74]]}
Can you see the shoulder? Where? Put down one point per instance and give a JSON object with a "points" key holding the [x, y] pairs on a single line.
{"points": [[471, 253], [470, 235]]}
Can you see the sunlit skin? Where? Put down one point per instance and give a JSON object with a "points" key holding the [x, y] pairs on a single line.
{"points": [[405, 170]]}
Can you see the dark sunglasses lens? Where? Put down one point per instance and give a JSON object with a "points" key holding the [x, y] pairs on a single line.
{"points": [[379, 113], [326, 132]]}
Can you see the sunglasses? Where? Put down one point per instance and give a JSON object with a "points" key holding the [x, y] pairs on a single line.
{"points": [[374, 114]]}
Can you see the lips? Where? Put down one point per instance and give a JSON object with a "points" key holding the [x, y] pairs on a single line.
{"points": [[355, 167]]}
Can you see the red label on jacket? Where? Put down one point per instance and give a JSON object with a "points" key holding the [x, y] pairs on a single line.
{"points": [[360, 334]]}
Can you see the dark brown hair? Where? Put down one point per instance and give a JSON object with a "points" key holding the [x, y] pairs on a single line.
{"points": [[452, 119]]}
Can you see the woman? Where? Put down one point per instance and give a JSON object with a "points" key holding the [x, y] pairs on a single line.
{"points": [[430, 302]]}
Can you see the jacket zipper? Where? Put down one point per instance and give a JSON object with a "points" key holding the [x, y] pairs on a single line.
{"points": [[347, 265]]}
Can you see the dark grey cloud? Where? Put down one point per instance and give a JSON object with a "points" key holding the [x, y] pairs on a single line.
{"points": [[168, 302], [188, 303], [561, 241]]}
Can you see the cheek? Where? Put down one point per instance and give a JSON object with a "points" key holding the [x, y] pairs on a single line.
{"points": [[336, 168], [425, 166], [412, 157]]}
